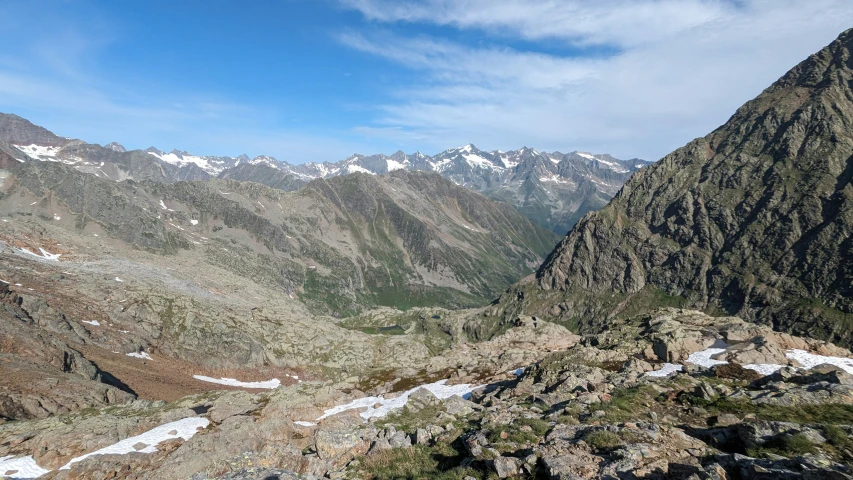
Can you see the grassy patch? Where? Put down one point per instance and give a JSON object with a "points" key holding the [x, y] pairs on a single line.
{"points": [[409, 420], [827, 414], [788, 446], [628, 403], [648, 299], [523, 431], [602, 440]]}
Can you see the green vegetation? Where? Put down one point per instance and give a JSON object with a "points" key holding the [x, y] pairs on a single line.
{"points": [[829, 414], [648, 299], [602, 440], [524, 431], [787, 446], [439, 462], [627, 403]]}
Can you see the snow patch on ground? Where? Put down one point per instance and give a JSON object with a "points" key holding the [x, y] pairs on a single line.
{"points": [[666, 370], [92, 322], [439, 389], [269, 384], [356, 168], [305, 424], [184, 429], [143, 355], [811, 360], [39, 152], [194, 222], [805, 359], [703, 358], [394, 165], [119, 280], [20, 467], [45, 255]]}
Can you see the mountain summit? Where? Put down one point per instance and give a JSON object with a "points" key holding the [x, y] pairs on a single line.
{"points": [[752, 220]]}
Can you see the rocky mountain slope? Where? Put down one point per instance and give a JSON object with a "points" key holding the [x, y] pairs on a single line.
{"points": [[338, 245], [752, 220], [551, 189]]}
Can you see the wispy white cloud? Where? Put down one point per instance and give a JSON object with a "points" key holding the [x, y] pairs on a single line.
{"points": [[683, 67], [620, 22]]}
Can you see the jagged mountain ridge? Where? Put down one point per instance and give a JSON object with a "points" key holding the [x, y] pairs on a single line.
{"points": [[754, 219], [552, 189]]}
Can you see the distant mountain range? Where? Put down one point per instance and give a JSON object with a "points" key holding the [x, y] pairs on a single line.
{"points": [[552, 189]]}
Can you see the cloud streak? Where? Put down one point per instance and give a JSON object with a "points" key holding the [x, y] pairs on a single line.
{"points": [[683, 67]]}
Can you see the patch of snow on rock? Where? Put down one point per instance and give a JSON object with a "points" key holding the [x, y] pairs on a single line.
{"points": [[45, 255], [394, 165], [185, 429], [39, 152], [20, 467], [305, 424], [666, 370], [369, 404], [194, 222], [92, 322], [703, 357], [811, 360], [143, 355], [269, 384], [356, 168]]}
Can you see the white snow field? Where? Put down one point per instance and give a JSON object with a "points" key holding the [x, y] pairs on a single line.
{"points": [[184, 428], [27, 468], [45, 255], [666, 370], [804, 358], [269, 384], [810, 360], [143, 355], [439, 389], [20, 467]]}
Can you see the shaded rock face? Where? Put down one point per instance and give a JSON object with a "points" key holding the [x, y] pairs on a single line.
{"points": [[20, 131], [42, 374], [752, 220]]}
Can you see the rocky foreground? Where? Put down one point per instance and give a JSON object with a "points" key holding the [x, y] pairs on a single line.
{"points": [[664, 395]]}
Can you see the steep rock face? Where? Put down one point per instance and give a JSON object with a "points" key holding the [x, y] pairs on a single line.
{"points": [[753, 219], [20, 131]]}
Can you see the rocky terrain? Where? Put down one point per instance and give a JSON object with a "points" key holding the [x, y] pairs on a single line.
{"points": [[695, 328], [598, 406], [752, 220], [551, 189]]}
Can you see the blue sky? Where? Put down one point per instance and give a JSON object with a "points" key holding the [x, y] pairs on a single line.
{"points": [[316, 80]]}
